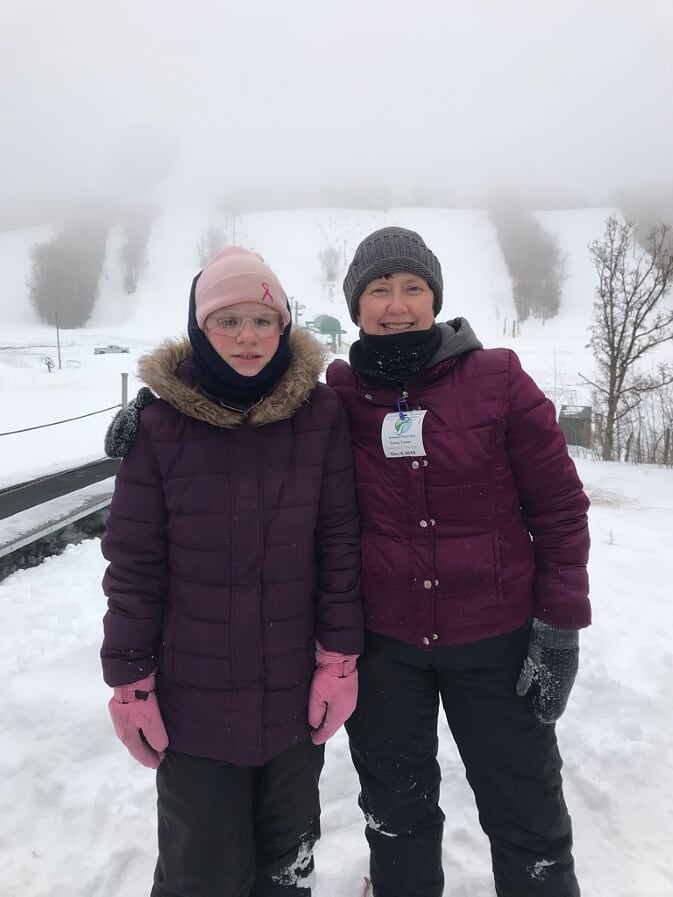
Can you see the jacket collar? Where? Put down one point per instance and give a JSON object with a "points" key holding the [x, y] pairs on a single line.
{"points": [[458, 339], [167, 372]]}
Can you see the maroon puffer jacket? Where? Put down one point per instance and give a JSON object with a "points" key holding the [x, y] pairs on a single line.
{"points": [[233, 546], [487, 528]]}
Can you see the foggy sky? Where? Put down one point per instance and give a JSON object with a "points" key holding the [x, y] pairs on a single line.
{"points": [[144, 97]]}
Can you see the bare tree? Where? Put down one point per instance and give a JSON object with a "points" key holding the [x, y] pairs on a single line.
{"points": [[631, 318], [644, 434]]}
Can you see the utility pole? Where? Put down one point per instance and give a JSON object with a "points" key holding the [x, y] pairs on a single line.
{"points": [[58, 340], [297, 309]]}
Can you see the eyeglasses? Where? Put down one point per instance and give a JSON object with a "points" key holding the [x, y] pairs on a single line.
{"points": [[264, 326]]}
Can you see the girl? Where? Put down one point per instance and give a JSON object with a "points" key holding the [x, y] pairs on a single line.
{"points": [[234, 619]]}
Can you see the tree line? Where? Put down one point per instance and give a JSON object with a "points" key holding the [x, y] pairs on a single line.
{"points": [[533, 257], [65, 271]]}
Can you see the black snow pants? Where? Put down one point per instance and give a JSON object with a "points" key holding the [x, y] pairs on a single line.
{"points": [[237, 831], [511, 762]]}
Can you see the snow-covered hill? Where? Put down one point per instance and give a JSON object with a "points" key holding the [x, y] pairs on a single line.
{"points": [[477, 285]]}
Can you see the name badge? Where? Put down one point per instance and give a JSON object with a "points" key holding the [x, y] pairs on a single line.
{"points": [[402, 437]]}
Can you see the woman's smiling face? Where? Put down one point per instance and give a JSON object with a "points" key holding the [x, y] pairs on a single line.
{"points": [[396, 303]]}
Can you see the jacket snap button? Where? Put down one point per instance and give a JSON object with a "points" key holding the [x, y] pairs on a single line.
{"points": [[426, 641], [425, 462], [427, 584], [432, 521], [415, 465], [436, 582], [423, 523], [434, 636]]}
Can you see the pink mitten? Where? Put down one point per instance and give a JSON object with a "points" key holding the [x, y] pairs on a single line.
{"points": [[137, 720], [334, 693]]}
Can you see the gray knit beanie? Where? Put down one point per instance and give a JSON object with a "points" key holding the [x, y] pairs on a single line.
{"points": [[388, 251]]}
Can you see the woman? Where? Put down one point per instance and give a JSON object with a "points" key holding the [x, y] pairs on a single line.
{"points": [[234, 620], [474, 550]]}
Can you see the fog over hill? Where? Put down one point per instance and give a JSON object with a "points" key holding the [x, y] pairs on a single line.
{"points": [[476, 281]]}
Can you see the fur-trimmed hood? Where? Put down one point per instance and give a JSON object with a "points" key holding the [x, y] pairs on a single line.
{"points": [[167, 371]]}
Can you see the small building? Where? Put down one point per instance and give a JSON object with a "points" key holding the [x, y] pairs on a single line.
{"points": [[575, 421], [328, 326]]}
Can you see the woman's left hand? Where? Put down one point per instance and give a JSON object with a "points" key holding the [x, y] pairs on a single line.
{"points": [[549, 669]]}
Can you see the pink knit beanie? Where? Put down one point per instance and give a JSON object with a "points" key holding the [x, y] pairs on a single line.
{"points": [[238, 275]]}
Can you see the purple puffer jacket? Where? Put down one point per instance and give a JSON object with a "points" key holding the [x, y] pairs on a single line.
{"points": [[488, 527], [233, 544]]}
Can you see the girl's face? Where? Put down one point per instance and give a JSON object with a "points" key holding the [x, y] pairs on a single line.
{"points": [[245, 335]]}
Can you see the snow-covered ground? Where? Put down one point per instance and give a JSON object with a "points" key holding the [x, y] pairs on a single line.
{"points": [[76, 812]]}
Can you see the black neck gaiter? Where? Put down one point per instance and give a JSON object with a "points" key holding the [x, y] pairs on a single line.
{"points": [[219, 380], [396, 359]]}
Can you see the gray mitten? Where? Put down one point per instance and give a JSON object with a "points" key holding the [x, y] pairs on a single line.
{"points": [[121, 434], [549, 670]]}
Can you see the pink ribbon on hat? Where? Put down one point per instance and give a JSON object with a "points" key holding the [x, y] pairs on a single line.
{"points": [[267, 293]]}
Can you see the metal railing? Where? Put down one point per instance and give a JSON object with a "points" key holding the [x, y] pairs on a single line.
{"points": [[22, 529], [37, 492]]}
